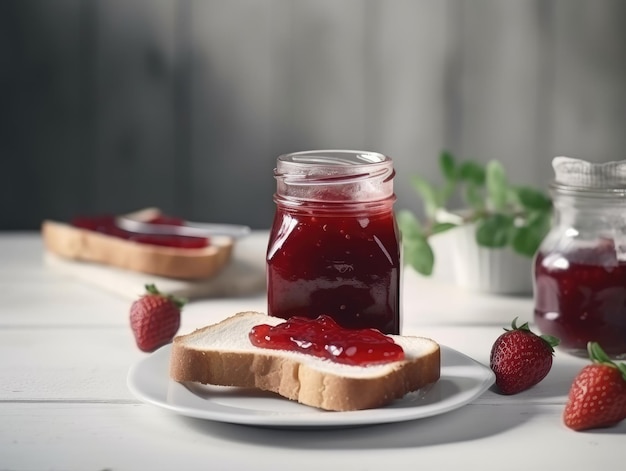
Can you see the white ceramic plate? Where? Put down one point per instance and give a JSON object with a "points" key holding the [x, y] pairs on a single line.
{"points": [[462, 380]]}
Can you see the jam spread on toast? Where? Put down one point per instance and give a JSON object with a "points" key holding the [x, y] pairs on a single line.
{"points": [[105, 224], [323, 337]]}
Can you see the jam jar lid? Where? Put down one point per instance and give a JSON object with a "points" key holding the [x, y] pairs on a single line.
{"points": [[578, 174]]}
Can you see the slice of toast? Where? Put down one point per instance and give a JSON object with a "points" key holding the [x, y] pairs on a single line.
{"points": [[84, 245], [222, 354]]}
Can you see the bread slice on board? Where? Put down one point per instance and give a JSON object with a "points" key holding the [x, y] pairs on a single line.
{"points": [[78, 244], [222, 354]]}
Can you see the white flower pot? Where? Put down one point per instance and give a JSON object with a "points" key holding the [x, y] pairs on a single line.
{"points": [[459, 259]]}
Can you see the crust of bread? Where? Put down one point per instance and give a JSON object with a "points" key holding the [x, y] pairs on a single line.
{"points": [[294, 377], [80, 244]]}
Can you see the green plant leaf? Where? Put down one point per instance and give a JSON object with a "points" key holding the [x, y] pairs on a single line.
{"points": [[527, 238], [409, 225], [447, 165], [428, 193], [497, 185], [440, 227], [419, 254], [512, 198], [525, 241], [470, 171], [540, 220], [531, 198], [505, 215], [472, 174], [474, 197], [494, 231]]}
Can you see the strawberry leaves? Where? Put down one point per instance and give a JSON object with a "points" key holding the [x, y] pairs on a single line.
{"points": [[599, 356], [551, 340]]}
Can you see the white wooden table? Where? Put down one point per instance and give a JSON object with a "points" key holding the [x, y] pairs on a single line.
{"points": [[66, 348]]}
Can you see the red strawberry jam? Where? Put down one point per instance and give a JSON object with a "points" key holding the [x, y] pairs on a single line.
{"points": [[168, 220], [581, 297], [105, 224], [334, 246], [345, 266], [323, 337]]}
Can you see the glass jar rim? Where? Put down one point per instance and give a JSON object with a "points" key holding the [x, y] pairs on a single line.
{"points": [[332, 166], [589, 192], [334, 157]]}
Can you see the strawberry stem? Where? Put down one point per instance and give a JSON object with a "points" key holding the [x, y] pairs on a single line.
{"points": [[152, 289], [598, 355], [178, 302], [514, 326], [549, 339]]}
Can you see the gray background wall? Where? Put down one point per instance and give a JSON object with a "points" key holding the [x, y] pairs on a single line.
{"points": [[113, 105]]}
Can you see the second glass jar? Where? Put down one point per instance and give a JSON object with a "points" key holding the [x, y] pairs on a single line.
{"points": [[580, 269], [334, 247]]}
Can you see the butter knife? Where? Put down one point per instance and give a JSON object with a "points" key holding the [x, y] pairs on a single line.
{"points": [[190, 229]]}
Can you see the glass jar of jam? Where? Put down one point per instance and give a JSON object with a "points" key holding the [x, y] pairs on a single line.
{"points": [[334, 246], [580, 268]]}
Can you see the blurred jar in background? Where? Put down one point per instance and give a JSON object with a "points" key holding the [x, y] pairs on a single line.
{"points": [[580, 268]]}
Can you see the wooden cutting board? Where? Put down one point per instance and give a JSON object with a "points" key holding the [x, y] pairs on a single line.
{"points": [[243, 276]]}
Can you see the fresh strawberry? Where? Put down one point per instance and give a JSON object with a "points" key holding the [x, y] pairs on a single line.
{"points": [[597, 397], [520, 358], [155, 319]]}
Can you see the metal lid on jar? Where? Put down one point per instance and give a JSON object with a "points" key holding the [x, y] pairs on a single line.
{"points": [[578, 174]]}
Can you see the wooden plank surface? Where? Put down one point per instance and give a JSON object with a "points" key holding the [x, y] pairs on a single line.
{"points": [[108, 106], [65, 352], [132, 436]]}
